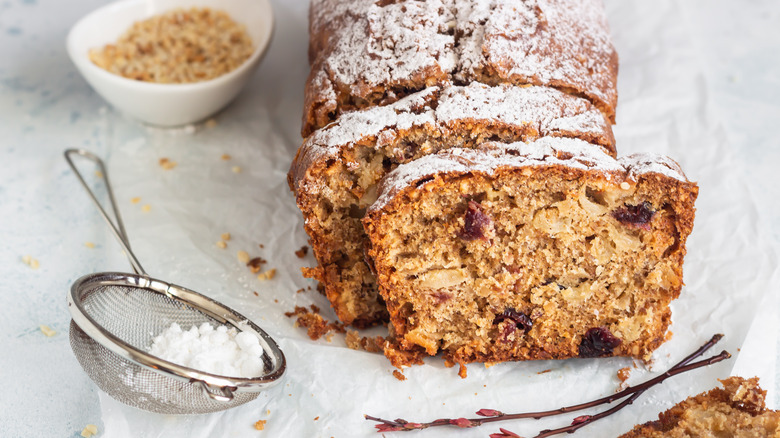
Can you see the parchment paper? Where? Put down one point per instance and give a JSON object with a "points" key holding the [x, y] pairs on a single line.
{"points": [[663, 107]]}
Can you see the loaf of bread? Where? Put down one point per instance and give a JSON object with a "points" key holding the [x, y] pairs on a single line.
{"points": [[336, 170], [736, 410], [366, 53], [549, 249]]}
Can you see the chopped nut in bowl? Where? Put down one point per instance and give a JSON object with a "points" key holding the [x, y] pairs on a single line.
{"points": [[171, 62]]}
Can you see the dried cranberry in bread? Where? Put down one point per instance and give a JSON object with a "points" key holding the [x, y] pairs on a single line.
{"points": [[544, 250], [336, 169], [365, 53], [736, 410]]}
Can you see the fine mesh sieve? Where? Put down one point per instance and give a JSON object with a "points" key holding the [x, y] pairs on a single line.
{"points": [[117, 315]]}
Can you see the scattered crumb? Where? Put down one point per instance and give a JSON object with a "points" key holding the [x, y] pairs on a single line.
{"points": [[46, 330], [544, 371], [89, 430], [329, 338], [267, 412], [256, 294], [308, 288], [99, 174], [243, 256], [146, 208], [255, 264], [625, 186], [301, 253], [89, 245], [462, 372], [210, 123], [301, 290], [399, 375], [276, 301], [261, 246], [135, 200], [260, 425], [221, 244], [365, 343], [316, 418], [236, 169], [167, 164], [267, 275], [225, 157], [315, 325], [225, 236], [401, 358], [31, 262], [623, 374]]}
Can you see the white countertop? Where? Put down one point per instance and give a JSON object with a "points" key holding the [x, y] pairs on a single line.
{"points": [[45, 107]]}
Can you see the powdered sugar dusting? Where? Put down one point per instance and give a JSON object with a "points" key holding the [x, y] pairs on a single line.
{"points": [[545, 110], [637, 164], [378, 43], [367, 48], [407, 112], [556, 42], [489, 157]]}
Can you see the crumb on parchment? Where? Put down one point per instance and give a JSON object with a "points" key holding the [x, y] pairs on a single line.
{"points": [[167, 164], [267, 275], [31, 262], [301, 253], [316, 326], [46, 330], [89, 430]]}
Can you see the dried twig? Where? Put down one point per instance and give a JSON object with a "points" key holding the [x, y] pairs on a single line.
{"points": [[492, 415]]}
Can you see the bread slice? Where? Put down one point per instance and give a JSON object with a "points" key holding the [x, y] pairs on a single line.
{"points": [[336, 169], [737, 410], [544, 250], [369, 53]]}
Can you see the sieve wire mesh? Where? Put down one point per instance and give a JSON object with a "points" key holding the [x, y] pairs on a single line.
{"points": [[135, 315]]}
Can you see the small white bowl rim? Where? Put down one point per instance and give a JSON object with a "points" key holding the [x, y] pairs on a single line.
{"points": [[83, 58]]}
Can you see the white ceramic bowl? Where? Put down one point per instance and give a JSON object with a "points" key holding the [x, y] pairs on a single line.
{"points": [[166, 104]]}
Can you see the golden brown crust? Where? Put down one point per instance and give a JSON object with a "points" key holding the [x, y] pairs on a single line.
{"points": [[736, 410], [366, 53]]}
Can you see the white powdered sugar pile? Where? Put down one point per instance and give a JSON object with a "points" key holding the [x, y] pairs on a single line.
{"points": [[223, 351]]}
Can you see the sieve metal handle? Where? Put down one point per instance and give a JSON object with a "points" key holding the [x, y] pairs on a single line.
{"points": [[119, 228], [226, 396]]}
